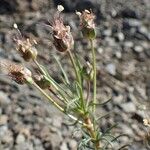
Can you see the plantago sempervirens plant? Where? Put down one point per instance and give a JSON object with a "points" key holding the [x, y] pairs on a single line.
{"points": [[70, 100]]}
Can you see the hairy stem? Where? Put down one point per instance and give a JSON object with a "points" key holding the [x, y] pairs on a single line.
{"points": [[94, 70]]}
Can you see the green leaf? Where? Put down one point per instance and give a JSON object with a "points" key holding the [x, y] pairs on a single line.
{"points": [[100, 104], [99, 118], [63, 71], [124, 146], [109, 129]]}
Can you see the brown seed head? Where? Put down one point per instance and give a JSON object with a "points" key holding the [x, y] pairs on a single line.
{"points": [[26, 49], [18, 73], [62, 36], [87, 23]]}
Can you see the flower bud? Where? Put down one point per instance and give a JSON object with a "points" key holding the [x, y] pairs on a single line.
{"points": [[87, 71], [41, 81], [25, 47], [62, 36], [87, 24]]}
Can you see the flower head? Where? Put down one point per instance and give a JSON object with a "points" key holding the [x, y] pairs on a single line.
{"points": [[62, 36], [87, 23], [18, 73], [26, 47]]}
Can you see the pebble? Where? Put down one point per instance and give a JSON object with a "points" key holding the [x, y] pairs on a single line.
{"points": [[24, 146], [132, 23], [4, 99], [3, 130], [63, 146], [128, 44], [118, 54], [110, 41], [118, 99], [73, 144], [129, 107], [100, 50], [3, 119], [120, 36], [20, 138], [138, 49], [107, 33], [56, 139], [111, 69], [40, 147], [57, 120]]}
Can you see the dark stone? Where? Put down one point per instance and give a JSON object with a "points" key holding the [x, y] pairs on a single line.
{"points": [[85, 4], [67, 4], [129, 13], [137, 117], [7, 6]]}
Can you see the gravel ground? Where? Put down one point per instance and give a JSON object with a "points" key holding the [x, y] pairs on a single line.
{"points": [[27, 122]]}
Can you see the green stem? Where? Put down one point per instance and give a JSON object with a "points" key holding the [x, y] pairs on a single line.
{"points": [[78, 78], [49, 78], [55, 104], [94, 70], [74, 66], [48, 97]]}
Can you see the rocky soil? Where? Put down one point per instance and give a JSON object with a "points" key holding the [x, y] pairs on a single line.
{"points": [[27, 122]]}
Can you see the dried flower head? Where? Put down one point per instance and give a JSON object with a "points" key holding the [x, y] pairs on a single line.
{"points": [[18, 73], [26, 46], [62, 36], [26, 49], [87, 23]]}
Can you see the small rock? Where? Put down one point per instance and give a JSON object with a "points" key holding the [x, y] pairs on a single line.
{"points": [[73, 144], [40, 147], [24, 146], [20, 138], [126, 129], [100, 50], [138, 49], [3, 130], [131, 23], [118, 99], [110, 41], [8, 137], [118, 54], [57, 121], [3, 119], [129, 107], [107, 33], [144, 31], [63, 146], [56, 139], [120, 36], [128, 44], [111, 69], [4, 99], [129, 13]]}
